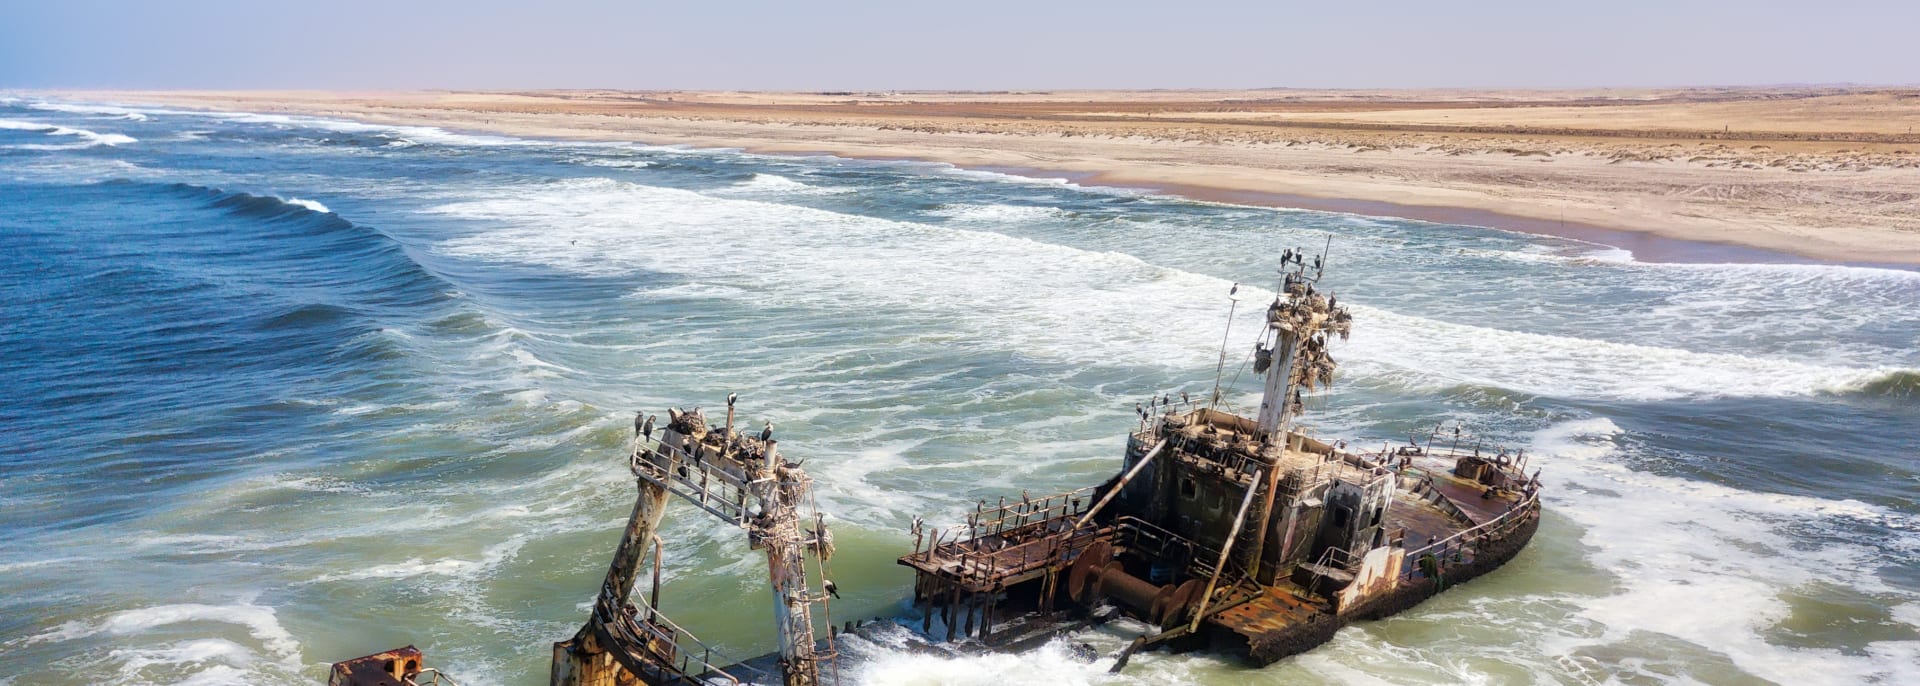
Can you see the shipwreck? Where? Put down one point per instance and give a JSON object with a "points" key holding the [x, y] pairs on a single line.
{"points": [[1223, 532], [1238, 534]]}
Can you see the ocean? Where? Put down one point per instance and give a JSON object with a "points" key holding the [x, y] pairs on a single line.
{"points": [[287, 391]]}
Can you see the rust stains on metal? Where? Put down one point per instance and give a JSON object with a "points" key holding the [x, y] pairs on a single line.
{"points": [[1236, 531]]}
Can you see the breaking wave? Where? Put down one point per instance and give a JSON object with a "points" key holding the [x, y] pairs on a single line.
{"points": [[1903, 384], [777, 184], [997, 213], [1046, 296], [90, 138]]}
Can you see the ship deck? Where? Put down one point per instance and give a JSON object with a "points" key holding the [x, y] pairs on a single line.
{"points": [[1276, 609]]}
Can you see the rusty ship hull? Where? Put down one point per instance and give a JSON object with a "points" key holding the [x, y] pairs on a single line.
{"points": [[1239, 534]]}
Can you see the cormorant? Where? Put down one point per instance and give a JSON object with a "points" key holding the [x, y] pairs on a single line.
{"points": [[832, 589], [766, 433], [732, 397], [647, 428], [638, 418]]}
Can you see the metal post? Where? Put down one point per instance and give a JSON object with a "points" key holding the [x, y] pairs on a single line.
{"points": [[1118, 486], [1221, 565]]}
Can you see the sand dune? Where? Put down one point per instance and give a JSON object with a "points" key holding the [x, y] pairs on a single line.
{"points": [[1827, 173]]}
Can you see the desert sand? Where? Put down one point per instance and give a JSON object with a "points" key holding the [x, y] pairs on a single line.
{"points": [[1831, 174]]}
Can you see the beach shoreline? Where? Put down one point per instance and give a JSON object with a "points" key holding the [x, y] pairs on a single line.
{"points": [[1839, 191]]}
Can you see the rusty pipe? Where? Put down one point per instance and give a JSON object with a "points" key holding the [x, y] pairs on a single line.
{"points": [[1221, 566], [653, 599], [1118, 486], [1116, 583]]}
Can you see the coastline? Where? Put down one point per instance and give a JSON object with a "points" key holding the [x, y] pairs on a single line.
{"points": [[1645, 246], [1517, 199]]}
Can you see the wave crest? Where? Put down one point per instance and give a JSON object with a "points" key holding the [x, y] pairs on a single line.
{"points": [[91, 138], [1903, 384]]}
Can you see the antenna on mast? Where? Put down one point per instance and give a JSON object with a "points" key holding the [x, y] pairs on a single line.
{"points": [[1220, 369], [1320, 263]]}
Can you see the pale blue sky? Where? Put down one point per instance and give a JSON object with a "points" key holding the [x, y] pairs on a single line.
{"points": [[968, 44]]}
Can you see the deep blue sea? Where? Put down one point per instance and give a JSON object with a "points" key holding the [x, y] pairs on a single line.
{"points": [[283, 391]]}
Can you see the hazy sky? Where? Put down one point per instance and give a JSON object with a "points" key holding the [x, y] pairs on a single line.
{"points": [[965, 44]]}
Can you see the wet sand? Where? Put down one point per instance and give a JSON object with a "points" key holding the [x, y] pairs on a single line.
{"points": [[1766, 174]]}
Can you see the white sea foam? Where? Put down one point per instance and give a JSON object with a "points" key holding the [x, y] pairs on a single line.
{"points": [[1035, 297], [1003, 214], [1714, 559], [448, 567], [193, 653], [1446, 353], [775, 184], [309, 204], [1021, 180], [1047, 300], [617, 163], [416, 134], [260, 622], [1052, 663], [91, 138], [115, 111]]}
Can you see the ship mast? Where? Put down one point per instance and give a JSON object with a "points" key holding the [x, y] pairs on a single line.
{"points": [[1293, 350], [777, 529], [1293, 355], [743, 481]]}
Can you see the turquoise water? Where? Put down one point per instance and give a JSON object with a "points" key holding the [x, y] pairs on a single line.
{"points": [[287, 391]]}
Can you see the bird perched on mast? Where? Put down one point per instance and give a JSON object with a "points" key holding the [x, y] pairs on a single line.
{"points": [[730, 398], [766, 433]]}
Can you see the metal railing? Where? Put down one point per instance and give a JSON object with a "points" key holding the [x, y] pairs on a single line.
{"points": [[431, 676], [1009, 539], [1466, 541], [706, 482], [632, 631]]}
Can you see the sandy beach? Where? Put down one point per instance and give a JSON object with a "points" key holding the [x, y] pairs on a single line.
{"points": [[1831, 174]]}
